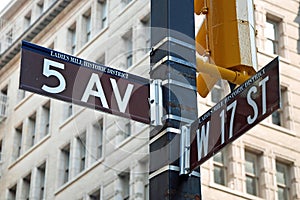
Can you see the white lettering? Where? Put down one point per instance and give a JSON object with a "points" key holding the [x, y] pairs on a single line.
{"points": [[202, 141], [264, 94], [252, 103], [233, 107], [52, 72], [122, 104], [222, 115], [98, 93]]}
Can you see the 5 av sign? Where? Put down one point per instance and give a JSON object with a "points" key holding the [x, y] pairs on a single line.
{"points": [[241, 110], [68, 78]]}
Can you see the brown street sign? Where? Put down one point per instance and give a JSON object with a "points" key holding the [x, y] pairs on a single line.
{"points": [[71, 79], [238, 112]]}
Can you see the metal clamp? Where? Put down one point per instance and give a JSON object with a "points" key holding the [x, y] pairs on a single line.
{"points": [[177, 118], [178, 83], [169, 129], [163, 169], [185, 144], [174, 41], [156, 102], [175, 60]]}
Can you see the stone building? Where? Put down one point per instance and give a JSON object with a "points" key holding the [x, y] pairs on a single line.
{"points": [[51, 149]]}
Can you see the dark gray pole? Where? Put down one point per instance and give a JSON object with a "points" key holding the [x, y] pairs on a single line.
{"points": [[173, 62]]}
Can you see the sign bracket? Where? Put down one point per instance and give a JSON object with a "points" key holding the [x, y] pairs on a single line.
{"points": [[156, 103], [185, 144]]}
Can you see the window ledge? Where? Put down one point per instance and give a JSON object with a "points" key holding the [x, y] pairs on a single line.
{"points": [[124, 142], [126, 7], [78, 176], [20, 103], [233, 192], [278, 128], [283, 59], [210, 103], [69, 119], [133, 67], [31, 149], [91, 41], [128, 139]]}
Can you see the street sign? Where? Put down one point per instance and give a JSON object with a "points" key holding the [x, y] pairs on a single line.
{"points": [[238, 112], [72, 79]]}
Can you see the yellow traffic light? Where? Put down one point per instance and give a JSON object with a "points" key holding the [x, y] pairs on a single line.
{"points": [[227, 38], [198, 6]]}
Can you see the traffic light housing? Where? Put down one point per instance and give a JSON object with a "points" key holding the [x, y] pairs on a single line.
{"points": [[227, 39]]}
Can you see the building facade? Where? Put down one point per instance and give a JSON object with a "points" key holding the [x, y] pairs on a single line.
{"points": [[51, 149]]}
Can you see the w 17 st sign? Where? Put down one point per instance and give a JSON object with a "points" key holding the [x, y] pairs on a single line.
{"points": [[241, 110], [71, 79]]}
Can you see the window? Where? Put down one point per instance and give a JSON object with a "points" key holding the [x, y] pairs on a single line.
{"points": [[101, 60], [276, 117], [97, 140], [127, 129], [146, 192], [126, 2], [41, 174], [65, 162], [18, 141], [128, 48], [147, 30], [143, 171], [103, 13], [72, 37], [3, 103], [281, 116], [12, 192], [125, 185], [87, 24], [1, 151], [9, 37], [95, 195], [26, 187], [51, 46], [40, 7], [217, 92], [271, 33], [251, 170], [32, 129], [124, 130], [4, 90], [81, 142], [27, 20], [45, 123], [282, 179], [219, 168], [69, 110], [21, 94]]}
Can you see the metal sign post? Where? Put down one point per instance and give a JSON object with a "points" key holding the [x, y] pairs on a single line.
{"points": [[173, 63]]}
